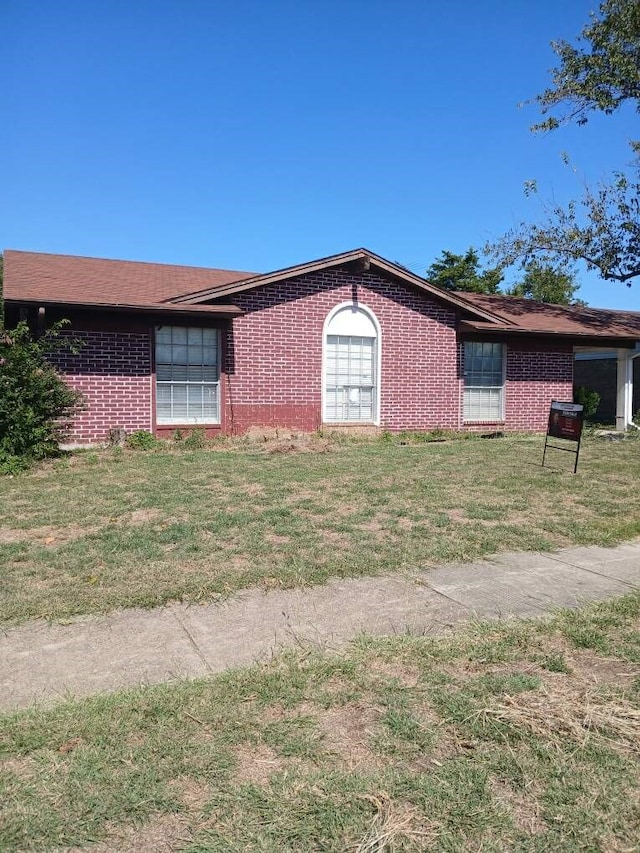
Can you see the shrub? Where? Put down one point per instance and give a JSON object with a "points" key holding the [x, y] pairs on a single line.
{"points": [[587, 398], [196, 439], [142, 440], [36, 404]]}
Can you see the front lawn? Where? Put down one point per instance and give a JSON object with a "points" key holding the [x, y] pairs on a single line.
{"points": [[107, 529], [512, 736]]}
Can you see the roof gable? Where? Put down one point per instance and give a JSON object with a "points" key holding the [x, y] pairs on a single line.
{"points": [[363, 258]]}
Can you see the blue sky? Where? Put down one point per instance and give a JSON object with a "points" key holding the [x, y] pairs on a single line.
{"points": [[257, 134]]}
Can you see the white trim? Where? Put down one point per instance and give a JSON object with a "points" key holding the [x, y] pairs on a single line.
{"points": [[188, 421], [624, 389], [503, 395], [357, 306]]}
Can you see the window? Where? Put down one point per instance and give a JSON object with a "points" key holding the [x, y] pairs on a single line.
{"points": [[351, 366], [187, 375], [483, 381]]}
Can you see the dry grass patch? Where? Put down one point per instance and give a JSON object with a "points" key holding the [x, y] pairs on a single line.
{"points": [[46, 536], [347, 732], [407, 674], [160, 834], [522, 807], [396, 825], [192, 793], [257, 763], [566, 711], [141, 516]]}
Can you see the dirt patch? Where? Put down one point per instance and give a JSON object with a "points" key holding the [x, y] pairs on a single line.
{"points": [[253, 489], [458, 516], [524, 810], [193, 793], [590, 668], [160, 834], [596, 670], [256, 763], [347, 733], [140, 516], [275, 539], [342, 540], [24, 767], [407, 674], [49, 536], [377, 528]]}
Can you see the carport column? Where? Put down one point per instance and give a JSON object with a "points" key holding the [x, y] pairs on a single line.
{"points": [[624, 396]]}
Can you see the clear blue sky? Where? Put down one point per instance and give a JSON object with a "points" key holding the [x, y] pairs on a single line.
{"points": [[255, 134]]}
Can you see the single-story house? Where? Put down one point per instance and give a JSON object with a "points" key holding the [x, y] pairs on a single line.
{"points": [[352, 339]]}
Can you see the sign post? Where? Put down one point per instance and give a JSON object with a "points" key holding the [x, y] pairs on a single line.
{"points": [[565, 421]]}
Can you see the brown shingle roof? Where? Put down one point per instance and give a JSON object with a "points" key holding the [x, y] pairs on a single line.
{"points": [[96, 281], [70, 280], [529, 317]]}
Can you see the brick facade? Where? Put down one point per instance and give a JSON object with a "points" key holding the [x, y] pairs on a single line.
{"points": [[536, 375], [274, 353], [272, 362], [113, 371]]}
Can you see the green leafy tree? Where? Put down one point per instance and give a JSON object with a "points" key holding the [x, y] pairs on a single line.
{"points": [[546, 283], [35, 402], [462, 272], [603, 228], [602, 75]]}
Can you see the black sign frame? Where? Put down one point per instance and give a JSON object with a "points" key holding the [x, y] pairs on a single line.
{"points": [[565, 422]]}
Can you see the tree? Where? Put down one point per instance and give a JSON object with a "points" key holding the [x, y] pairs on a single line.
{"points": [[546, 283], [602, 77], [462, 272], [603, 229]]}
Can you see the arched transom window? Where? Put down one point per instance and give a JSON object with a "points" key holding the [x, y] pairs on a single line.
{"points": [[351, 369]]}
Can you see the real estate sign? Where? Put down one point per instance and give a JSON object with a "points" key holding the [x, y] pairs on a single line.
{"points": [[565, 421]]}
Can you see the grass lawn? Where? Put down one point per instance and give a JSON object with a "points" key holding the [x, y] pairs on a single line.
{"points": [[504, 736], [105, 529]]}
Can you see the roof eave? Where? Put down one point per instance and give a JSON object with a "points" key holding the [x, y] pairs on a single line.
{"points": [[224, 311], [603, 339]]}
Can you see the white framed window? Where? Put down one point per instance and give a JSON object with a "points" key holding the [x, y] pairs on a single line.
{"points": [[187, 375], [484, 365], [351, 365]]}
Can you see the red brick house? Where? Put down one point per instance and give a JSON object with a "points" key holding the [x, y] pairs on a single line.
{"points": [[351, 339]]}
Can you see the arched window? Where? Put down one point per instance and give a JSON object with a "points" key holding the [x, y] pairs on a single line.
{"points": [[351, 365]]}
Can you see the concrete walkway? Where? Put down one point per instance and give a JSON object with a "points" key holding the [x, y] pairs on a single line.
{"points": [[41, 663]]}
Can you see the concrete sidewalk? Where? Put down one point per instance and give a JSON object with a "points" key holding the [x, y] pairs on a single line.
{"points": [[48, 663]]}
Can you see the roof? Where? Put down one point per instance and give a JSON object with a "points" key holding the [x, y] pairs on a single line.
{"points": [[69, 280], [66, 280], [524, 316]]}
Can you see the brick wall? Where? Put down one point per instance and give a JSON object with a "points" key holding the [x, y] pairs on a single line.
{"points": [[274, 353], [113, 372], [536, 375], [272, 363]]}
